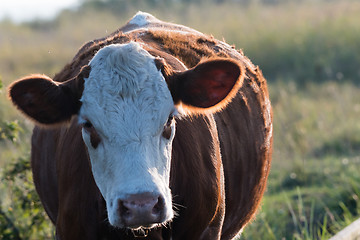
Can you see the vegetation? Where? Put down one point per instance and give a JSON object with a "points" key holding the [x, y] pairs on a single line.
{"points": [[314, 185], [308, 50]]}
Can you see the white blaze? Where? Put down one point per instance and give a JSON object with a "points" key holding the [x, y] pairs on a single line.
{"points": [[128, 102]]}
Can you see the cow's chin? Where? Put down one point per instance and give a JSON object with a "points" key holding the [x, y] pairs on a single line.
{"points": [[142, 230], [145, 226], [140, 226]]}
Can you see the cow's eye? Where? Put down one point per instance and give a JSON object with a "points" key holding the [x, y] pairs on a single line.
{"points": [[170, 120], [167, 128], [87, 125], [94, 136]]}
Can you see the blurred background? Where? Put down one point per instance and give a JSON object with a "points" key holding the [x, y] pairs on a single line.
{"points": [[309, 51]]}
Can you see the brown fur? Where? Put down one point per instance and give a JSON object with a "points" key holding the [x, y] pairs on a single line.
{"points": [[38, 96], [220, 161]]}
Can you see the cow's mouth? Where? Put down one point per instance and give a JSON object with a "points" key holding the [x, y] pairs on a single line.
{"points": [[143, 231], [140, 232]]}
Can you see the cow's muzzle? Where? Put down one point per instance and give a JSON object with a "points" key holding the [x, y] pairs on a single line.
{"points": [[144, 210]]}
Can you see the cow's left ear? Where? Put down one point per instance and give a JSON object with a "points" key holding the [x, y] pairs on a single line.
{"points": [[207, 87], [47, 102]]}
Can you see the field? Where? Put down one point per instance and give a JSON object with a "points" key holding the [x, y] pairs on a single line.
{"points": [[308, 51]]}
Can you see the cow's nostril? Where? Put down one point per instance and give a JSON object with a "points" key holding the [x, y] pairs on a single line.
{"points": [[159, 206], [123, 210]]}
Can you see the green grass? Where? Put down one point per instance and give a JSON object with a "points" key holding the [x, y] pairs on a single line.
{"points": [[314, 185], [309, 53], [300, 200]]}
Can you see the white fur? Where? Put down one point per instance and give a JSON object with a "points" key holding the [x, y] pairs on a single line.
{"points": [[142, 18], [145, 21], [128, 102], [268, 122]]}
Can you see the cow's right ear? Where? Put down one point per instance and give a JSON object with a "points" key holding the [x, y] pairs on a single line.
{"points": [[45, 101]]}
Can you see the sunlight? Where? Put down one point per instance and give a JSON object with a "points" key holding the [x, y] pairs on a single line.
{"points": [[24, 10]]}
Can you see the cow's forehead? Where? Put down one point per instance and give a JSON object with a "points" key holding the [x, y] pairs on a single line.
{"points": [[125, 86], [120, 69]]}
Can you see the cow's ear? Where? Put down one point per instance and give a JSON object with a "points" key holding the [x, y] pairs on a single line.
{"points": [[207, 87], [45, 101]]}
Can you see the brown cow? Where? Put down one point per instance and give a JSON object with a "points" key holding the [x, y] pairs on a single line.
{"points": [[105, 158]]}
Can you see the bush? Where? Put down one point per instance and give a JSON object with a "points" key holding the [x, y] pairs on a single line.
{"points": [[21, 215]]}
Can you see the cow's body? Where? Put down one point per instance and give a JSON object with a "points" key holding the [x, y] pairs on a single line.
{"points": [[220, 162]]}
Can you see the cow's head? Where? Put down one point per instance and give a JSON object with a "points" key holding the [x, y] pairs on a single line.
{"points": [[126, 101]]}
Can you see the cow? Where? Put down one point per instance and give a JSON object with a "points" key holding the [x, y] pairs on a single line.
{"points": [[156, 131]]}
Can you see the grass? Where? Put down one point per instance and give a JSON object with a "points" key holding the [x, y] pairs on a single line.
{"points": [[309, 202], [309, 53], [319, 120], [314, 184], [315, 162]]}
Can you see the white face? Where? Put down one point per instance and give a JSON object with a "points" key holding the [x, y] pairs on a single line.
{"points": [[129, 105]]}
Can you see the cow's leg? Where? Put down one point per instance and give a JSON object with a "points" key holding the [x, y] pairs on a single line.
{"points": [[43, 167], [213, 231], [80, 205]]}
